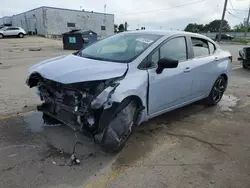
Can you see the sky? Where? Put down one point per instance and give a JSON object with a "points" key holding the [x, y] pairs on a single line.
{"points": [[152, 14]]}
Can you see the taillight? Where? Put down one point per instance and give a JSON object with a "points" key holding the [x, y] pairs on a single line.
{"points": [[231, 58]]}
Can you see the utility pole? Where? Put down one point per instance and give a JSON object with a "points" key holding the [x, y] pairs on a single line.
{"points": [[3, 19], [104, 33], [222, 20], [247, 23]]}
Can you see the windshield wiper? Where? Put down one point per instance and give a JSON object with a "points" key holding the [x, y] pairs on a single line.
{"points": [[95, 58]]}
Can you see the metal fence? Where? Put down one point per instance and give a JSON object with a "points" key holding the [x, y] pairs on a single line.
{"points": [[234, 34]]}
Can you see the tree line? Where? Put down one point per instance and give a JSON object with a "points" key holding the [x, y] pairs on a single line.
{"points": [[123, 27], [214, 26]]}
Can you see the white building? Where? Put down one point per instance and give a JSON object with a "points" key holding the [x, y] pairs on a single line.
{"points": [[51, 21]]}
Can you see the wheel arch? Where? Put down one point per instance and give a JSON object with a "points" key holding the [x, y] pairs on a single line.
{"points": [[224, 76], [20, 33], [135, 98]]}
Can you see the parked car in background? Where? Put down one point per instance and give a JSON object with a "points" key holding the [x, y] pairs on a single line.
{"points": [[224, 37], [115, 84], [12, 31], [244, 57]]}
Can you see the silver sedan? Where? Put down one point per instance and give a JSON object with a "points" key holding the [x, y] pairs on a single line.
{"points": [[117, 83]]}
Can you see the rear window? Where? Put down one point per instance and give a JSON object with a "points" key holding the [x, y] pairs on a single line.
{"points": [[200, 47]]}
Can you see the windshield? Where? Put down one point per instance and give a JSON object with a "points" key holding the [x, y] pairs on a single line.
{"points": [[123, 47]]}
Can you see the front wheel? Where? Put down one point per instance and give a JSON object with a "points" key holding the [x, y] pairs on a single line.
{"points": [[1, 36], [217, 91], [119, 127], [20, 35]]}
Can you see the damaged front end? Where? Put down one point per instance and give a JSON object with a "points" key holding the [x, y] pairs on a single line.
{"points": [[78, 105]]}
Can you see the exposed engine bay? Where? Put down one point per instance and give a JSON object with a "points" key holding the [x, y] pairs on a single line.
{"points": [[76, 105]]}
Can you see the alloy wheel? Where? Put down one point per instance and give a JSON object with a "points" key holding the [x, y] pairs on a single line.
{"points": [[218, 89]]}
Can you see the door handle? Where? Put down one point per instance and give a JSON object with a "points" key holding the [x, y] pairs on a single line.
{"points": [[216, 59], [187, 69]]}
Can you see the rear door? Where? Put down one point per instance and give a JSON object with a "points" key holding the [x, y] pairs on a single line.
{"points": [[172, 87], [203, 66]]}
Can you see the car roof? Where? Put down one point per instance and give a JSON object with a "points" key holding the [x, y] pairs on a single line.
{"points": [[12, 27], [168, 33]]}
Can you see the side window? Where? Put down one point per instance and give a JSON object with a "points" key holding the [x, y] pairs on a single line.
{"points": [[211, 47], [200, 47], [12, 28], [175, 48], [155, 57]]}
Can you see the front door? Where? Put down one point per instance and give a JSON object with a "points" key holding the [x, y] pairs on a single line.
{"points": [[172, 87]]}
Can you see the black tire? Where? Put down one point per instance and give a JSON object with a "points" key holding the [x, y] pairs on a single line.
{"points": [[119, 126], [217, 91], [1, 36], [20, 35], [245, 64]]}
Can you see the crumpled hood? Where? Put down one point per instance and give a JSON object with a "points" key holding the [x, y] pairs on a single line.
{"points": [[72, 69]]}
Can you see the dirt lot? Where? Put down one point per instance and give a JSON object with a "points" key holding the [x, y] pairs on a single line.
{"points": [[190, 147]]}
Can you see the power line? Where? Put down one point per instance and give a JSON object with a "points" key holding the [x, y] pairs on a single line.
{"points": [[232, 5], [234, 15], [237, 9], [178, 6]]}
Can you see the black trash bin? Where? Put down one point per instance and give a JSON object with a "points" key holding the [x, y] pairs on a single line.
{"points": [[77, 39]]}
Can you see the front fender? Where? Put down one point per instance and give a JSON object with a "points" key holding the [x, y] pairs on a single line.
{"points": [[134, 84]]}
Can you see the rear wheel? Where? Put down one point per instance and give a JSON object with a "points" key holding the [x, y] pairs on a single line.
{"points": [[20, 35], [245, 64], [217, 91], [1, 35]]}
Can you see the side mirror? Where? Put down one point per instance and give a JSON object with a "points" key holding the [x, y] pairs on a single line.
{"points": [[166, 63]]}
